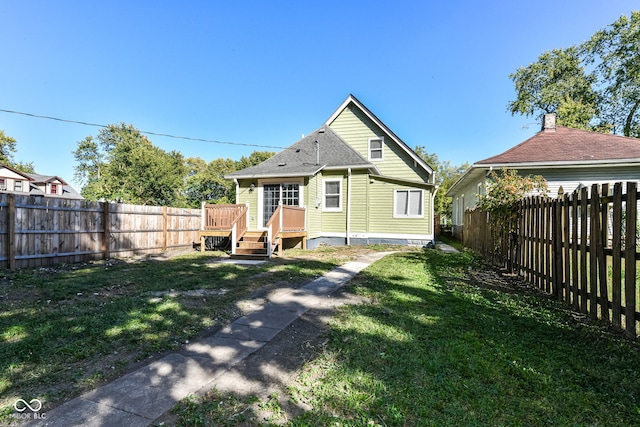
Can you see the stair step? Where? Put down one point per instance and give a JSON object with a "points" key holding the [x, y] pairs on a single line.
{"points": [[249, 251], [251, 245], [254, 236], [251, 257]]}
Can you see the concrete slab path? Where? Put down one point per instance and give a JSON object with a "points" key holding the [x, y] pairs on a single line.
{"points": [[221, 360]]}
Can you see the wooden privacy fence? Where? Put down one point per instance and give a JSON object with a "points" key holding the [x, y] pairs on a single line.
{"points": [[36, 231], [580, 247]]}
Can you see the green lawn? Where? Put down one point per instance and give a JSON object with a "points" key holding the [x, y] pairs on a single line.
{"points": [[434, 348], [65, 329]]}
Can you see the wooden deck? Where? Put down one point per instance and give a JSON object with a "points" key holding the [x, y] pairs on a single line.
{"points": [[287, 222]]}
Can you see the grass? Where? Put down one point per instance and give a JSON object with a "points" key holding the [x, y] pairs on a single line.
{"points": [[437, 346], [64, 330]]}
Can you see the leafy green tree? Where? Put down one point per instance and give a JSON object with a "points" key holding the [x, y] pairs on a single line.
{"points": [[206, 182], [556, 83], [446, 175], [122, 165], [594, 85], [254, 158], [615, 52], [506, 187], [7, 152]]}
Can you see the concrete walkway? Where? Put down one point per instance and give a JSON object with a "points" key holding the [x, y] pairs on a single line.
{"points": [[141, 397]]}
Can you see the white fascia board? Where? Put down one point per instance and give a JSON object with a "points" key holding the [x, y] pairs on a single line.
{"points": [[274, 175], [404, 181], [563, 164]]}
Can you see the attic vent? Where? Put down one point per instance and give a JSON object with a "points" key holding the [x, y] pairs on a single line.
{"points": [[282, 164], [321, 130]]}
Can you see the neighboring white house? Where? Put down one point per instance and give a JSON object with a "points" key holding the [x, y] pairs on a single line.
{"points": [[565, 157], [14, 181]]}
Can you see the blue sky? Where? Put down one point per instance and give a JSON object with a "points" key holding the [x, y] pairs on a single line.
{"points": [[266, 72]]}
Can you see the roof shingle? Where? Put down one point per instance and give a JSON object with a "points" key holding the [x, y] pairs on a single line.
{"points": [[569, 145], [302, 159]]}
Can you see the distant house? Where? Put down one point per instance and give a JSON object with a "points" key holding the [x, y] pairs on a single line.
{"points": [[14, 181], [565, 157], [351, 181]]}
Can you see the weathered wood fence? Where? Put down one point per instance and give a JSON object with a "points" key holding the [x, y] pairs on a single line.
{"points": [[37, 231], [580, 247]]}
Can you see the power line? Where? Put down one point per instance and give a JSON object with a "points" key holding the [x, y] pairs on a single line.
{"points": [[141, 131]]}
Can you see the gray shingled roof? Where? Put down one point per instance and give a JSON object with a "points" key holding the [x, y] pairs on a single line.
{"points": [[68, 192], [301, 159]]}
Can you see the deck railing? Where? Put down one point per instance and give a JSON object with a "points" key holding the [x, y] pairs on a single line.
{"points": [[293, 218], [221, 217]]}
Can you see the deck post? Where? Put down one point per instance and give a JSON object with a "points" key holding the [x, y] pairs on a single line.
{"points": [[234, 233]]}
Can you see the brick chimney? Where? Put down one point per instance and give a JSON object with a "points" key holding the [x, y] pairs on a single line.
{"points": [[549, 122]]}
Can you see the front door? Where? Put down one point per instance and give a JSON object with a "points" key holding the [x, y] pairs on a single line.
{"points": [[273, 194], [270, 201]]}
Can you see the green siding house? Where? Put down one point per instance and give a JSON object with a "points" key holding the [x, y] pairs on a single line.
{"points": [[352, 181]]}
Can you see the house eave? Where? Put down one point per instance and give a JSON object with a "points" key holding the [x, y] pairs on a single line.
{"points": [[561, 164], [478, 169], [403, 181], [275, 174]]}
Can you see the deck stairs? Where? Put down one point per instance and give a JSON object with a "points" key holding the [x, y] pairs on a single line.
{"points": [[253, 245]]}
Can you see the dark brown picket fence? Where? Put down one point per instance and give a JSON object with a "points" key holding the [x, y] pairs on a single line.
{"points": [[580, 247]]}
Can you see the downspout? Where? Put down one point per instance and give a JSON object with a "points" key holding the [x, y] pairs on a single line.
{"points": [[433, 212], [349, 207], [235, 180]]}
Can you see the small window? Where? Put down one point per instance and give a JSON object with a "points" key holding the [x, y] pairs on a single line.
{"points": [[332, 195], [3, 184], [376, 148], [54, 188], [17, 186], [408, 203]]}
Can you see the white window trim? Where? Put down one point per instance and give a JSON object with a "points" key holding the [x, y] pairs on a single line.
{"points": [[395, 200], [324, 198], [377, 138]]}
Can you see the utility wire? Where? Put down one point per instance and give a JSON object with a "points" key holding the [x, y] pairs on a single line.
{"points": [[142, 131]]}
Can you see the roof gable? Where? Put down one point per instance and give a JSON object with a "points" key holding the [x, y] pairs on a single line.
{"points": [[9, 172], [569, 145], [45, 179], [353, 101]]}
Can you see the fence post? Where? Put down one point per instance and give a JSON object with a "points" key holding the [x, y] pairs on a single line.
{"points": [[629, 259], [557, 240], [11, 235], [106, 234], [164, 229]]}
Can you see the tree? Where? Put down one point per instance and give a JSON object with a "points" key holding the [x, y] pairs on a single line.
{"points": [[505, 188], [606, 98], [206, 182], [445, 175], [122, 165], [254, 158], [556, 83], [615, 52], [7, 152]]}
